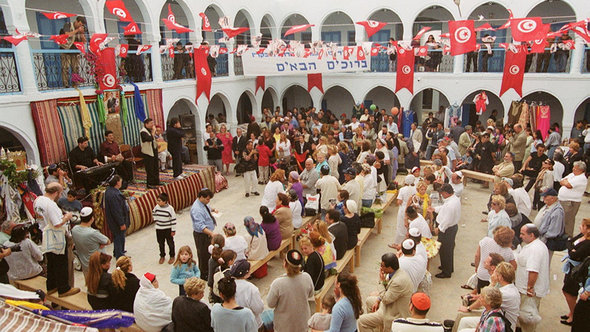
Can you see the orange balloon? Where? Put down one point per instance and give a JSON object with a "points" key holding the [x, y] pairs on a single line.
{"points": [[394, 110]]}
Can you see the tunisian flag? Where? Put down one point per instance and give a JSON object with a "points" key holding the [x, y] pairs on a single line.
{"points": [[405, 70], [57, 15], [131, 29], [297, 28], [109, 67], [462, 36], [371, 27], [527, 29], [117, 7], [514, 70], [206, 23], [202, 72]]}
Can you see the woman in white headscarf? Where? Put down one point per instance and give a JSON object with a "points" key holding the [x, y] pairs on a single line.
{"points": [[152, 308], [404, 194]]}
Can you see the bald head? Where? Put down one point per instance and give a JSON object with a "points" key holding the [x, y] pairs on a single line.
{"points": [[53, 190], [309, 164]]}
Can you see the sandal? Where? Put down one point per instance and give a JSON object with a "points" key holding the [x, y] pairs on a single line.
{"points": [[466, 287]]}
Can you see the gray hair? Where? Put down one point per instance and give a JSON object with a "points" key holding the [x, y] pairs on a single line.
{"points": [[6, 226], [492, 296], [581, 165]]}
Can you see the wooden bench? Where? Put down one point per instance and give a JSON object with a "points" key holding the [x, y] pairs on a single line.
{"points": [[346, 260], [362, 238], [477, 176], [424, 162], [78, 301], [385, 203], [255, 265]]}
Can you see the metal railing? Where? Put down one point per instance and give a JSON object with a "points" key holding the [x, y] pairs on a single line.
{"points": [[586, 60], [436, 62], [222, 67], [9, 79], [238, 67], [54, 68], [557, 62], [180, 67]]}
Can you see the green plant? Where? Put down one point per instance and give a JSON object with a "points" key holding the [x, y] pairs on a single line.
{"points": [[15, 178]]}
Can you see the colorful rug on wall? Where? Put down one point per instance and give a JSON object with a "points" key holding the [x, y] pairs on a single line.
{"points": [[182, 193]]}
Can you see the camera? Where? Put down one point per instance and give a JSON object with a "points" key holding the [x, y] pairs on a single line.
{"points": [[14, 248]]}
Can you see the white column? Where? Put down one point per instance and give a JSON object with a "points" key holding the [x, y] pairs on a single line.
{"points": [[22, 52], [230, 57], [316, 33], [156, 58], [577, 56], [458, 61], [359, 34]]}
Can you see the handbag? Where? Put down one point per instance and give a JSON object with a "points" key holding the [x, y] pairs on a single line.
{"points": [[54, 240], [368, 220], [557, 243], [529, 314]]}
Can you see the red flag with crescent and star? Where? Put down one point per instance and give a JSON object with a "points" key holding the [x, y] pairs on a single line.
{"points": [[462, 37], [117, 8], [95, 41], [206, 23], [405, 69], [57, 15], [202, 72], [297, 28], [109, 69], [371, 27], [514, 70], [131, 29], [123, 50], [527, 29]]}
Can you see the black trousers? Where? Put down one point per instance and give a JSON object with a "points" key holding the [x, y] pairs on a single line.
{"points": [[517, 165], [177, 163], [125, 170], [165, 236], [57, 272], [447, 248], [151, 169], [581, 316], [472, 58], [202, 242]]}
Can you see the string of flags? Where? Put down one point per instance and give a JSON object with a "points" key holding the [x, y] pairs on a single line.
{"points": [[530, 35]]}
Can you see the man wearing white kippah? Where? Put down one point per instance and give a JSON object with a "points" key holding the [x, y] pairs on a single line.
{"points": [[87, 239], [413, 264]]}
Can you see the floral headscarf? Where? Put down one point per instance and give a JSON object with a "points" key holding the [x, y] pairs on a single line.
{"points": [[252, 227]]}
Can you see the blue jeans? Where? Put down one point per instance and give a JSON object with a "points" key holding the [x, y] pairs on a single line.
{"points": [[118, 244]]}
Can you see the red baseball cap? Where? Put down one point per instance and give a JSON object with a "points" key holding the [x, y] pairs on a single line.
{"points": [[150, 277]]}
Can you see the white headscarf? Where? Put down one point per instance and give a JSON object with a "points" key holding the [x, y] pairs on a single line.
{"points": [[152, 308]]}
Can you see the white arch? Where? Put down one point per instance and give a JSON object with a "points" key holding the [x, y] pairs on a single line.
{"points": [[289, 87], [476, 5], [28, 142], [534, 5], [272, 26], [377, 85], [335, 11], [289, 16], [452, 11], [273, 94], [191, 18]]}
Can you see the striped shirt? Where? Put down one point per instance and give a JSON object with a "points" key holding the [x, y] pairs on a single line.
{"points": [[165, 217]]}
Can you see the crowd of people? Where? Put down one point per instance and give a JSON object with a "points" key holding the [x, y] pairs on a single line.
{"points": [[310, 162]]}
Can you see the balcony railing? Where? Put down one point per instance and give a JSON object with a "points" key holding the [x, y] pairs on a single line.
{"points": [[238, 68], [177, 68], [222, 69], [436, 61], [558, 62], [54, 68], [9, 80]]}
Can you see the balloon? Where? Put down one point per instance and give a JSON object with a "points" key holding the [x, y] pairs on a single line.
{"points": [[394, 110], [373, 107]]}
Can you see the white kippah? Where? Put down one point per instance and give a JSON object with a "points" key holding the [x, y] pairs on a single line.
{"points": [[414, 232], [410, 179], [408, 244], [86, 211]]}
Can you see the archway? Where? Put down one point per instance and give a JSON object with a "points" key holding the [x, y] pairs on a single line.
{"points": [[269, 99], [53, 70], [338, 28], [296, 19], [544, 98], [267, 28], [393, 29], [213, 13], [495, 15], [243, 19], [136, 67], [583, 112], [179, 66], [435, 17], [494, 104], [14, 139], [338, 100], [245, 107], [219, 105], [296, 96], [382, 97], [556, 14], [187, 113], [428, 100]]}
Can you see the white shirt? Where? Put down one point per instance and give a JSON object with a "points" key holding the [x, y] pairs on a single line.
{"points": [[533, 257], [574, 194], [449, 213], [354, 191], [415, 266], [558, 170], [422, 225], [510, 303], [370, 187], [522, 200], [496, 220], [421, 251], [392, 127], [238, 244], [328, 186], [457, 188], [48, 211], [296, 212], [487, 246], [248, 296], [286, 145], [269, 197]]}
